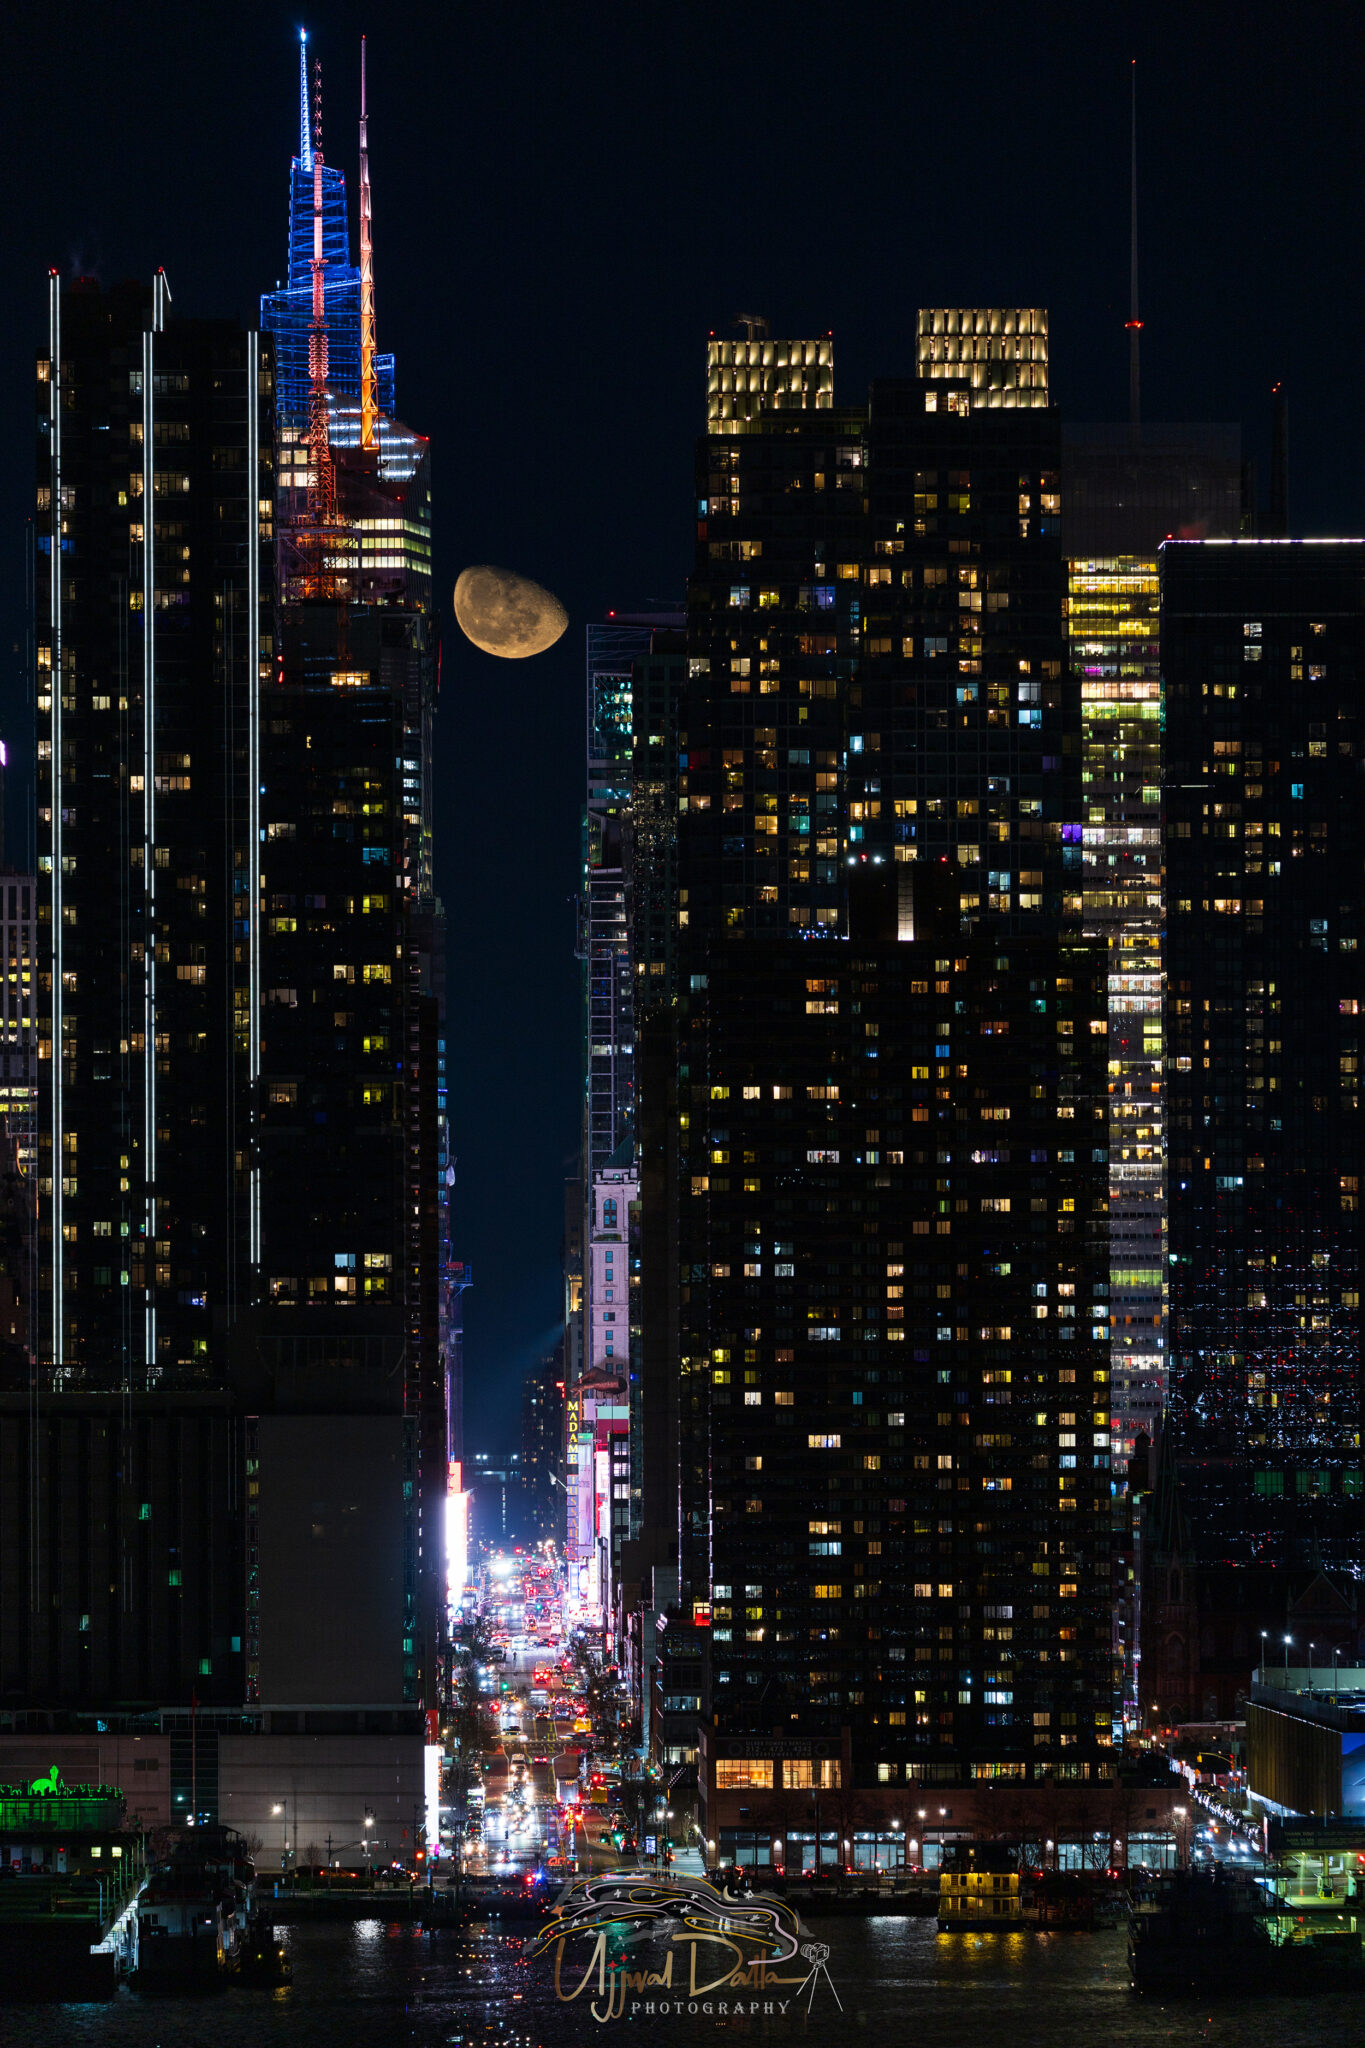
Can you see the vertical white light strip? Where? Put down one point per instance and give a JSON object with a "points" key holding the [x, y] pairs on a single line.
{"points": [[149, 831], [253, 863], [55, 685]]}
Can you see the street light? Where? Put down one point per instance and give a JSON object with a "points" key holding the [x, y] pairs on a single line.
{"points": [[282, 1806], [1263, 1637], [1287, 1641]]}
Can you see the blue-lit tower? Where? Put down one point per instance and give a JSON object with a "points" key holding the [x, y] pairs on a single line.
{"points": [[287, 312]]}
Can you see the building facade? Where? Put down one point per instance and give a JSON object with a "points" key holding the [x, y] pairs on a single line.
{"points": [[888, 1081], [1263, 651], [123, 1572], [226, 1479], [1126, 489], [19, 1018], [155, 463]]}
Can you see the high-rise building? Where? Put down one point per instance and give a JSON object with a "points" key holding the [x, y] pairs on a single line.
{"points": [[609, 1109], [907, 1491], [19, 1019], [18, 1113], [995, 356], [353, 1164], [287, 312], [888, 1079], [652, 915], [1263, 651], [224, 1478], [156, 485], [1126, 489], [153, 625], [601, 1521], [542, 1445], [459, 1277]]}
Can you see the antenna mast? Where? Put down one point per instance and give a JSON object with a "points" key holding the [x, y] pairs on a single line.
{"points": [[305, 132], [322, 495], [1133, 323], [369, 401]]}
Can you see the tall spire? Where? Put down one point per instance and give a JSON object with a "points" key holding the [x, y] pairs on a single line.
{"points": [[321, 477], [369, 395], [305, 129], [1134, 323]]}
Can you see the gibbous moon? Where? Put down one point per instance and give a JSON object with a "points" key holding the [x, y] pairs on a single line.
{"points": [[506, 614]]}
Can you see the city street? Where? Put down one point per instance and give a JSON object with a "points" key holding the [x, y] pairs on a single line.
{"points": [[547, 1795]]}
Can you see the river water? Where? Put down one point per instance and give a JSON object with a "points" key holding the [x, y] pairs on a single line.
{"points": [[372, 1985]]}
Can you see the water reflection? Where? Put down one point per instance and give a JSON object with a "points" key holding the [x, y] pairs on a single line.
{"points": [[384, 1985]]}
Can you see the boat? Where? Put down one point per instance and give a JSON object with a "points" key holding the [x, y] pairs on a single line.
{"points": [[1197, 1933], [1060, 1901], [978, 1887], [194, 1911], [72, 1869], [261, 1957]]}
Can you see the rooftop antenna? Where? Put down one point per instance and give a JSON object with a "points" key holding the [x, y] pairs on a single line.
{"points": [[1279, 463], [1133, 323], [305, 133], [369, 400], [755, 325]]}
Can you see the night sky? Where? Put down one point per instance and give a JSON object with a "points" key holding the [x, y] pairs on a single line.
{"points": [[566, 200]]}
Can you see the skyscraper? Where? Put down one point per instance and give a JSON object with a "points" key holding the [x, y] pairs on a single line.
{"points": [[609, 1109], [164, 455], [287, 312], [1126, 489], [18, 1018], [154, 590], [893, 1485], [353, 1169], [226, 1480], [608, 1412], [1263, 650]]}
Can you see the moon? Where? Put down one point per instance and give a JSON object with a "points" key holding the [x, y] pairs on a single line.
{"points": [[506, 614]]}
